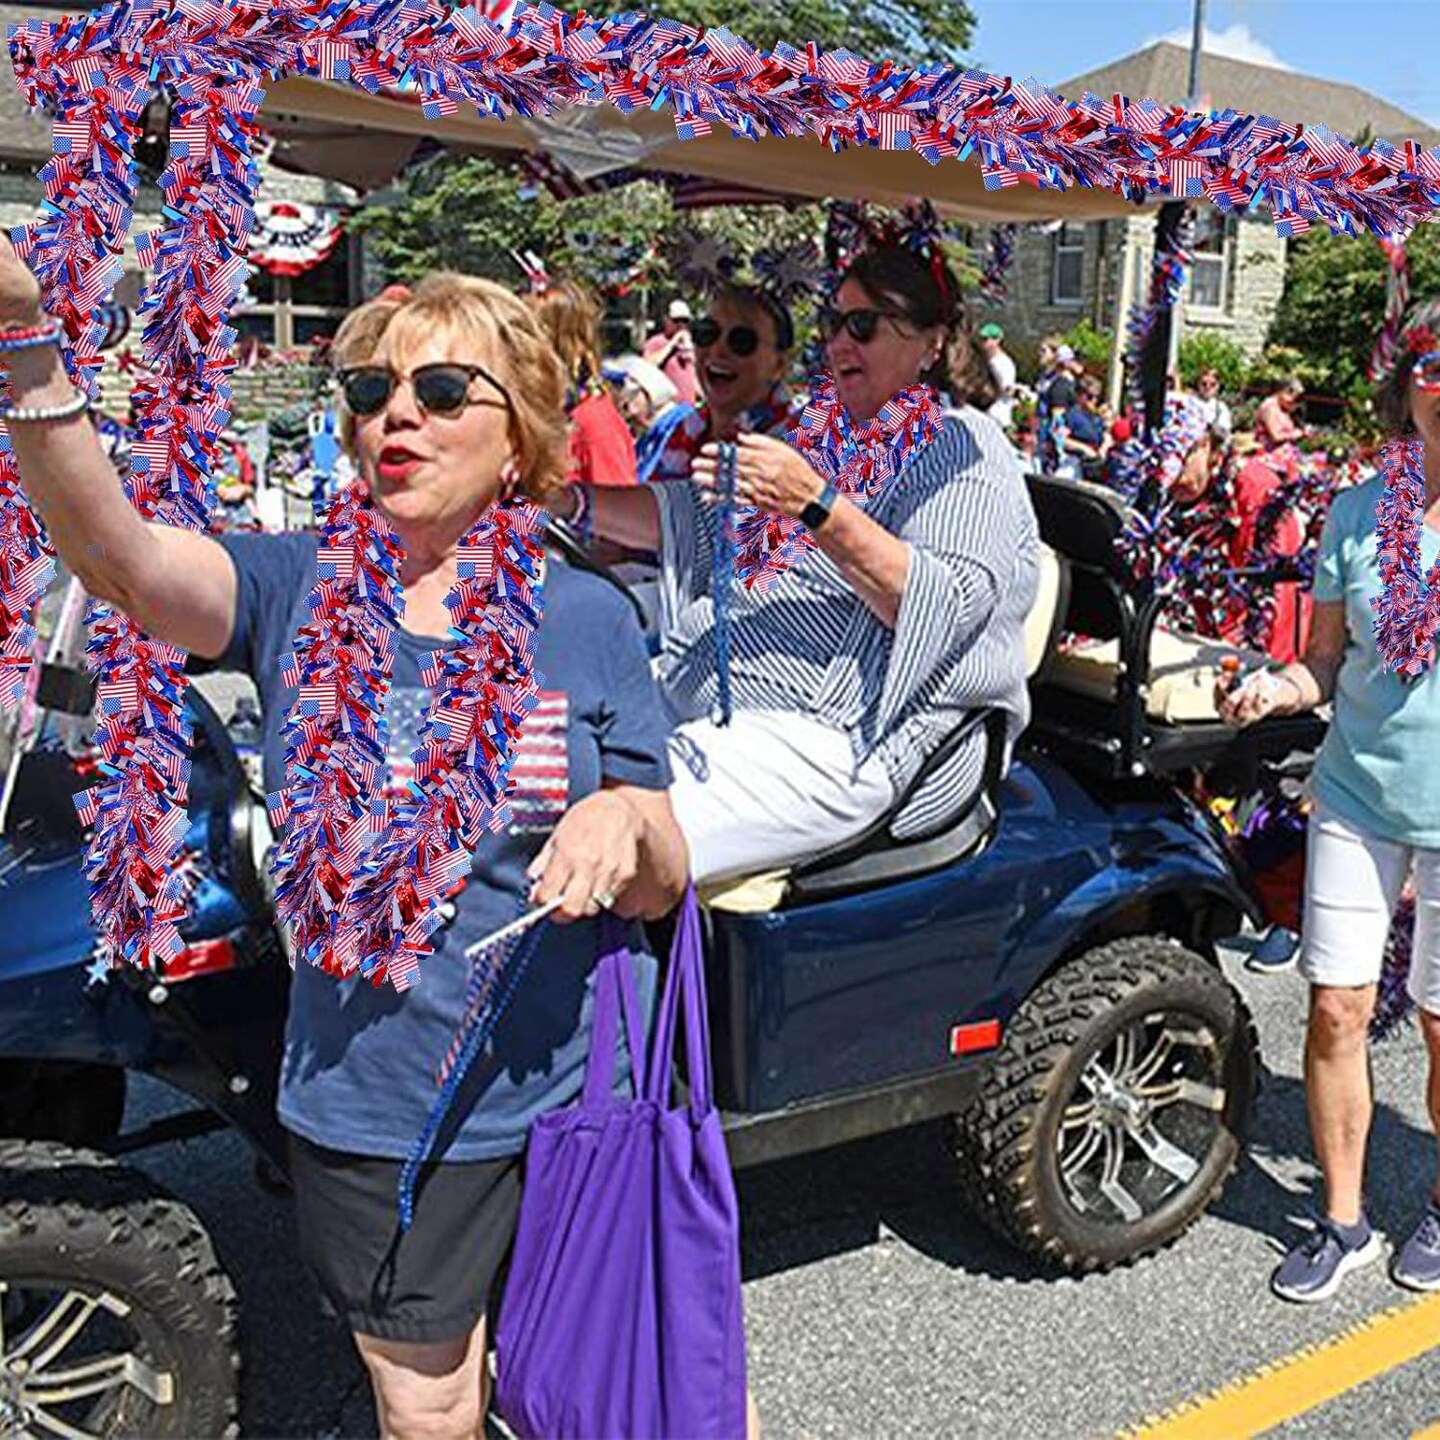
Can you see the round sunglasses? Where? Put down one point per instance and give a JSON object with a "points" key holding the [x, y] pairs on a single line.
{"points": [[442, 389], [741, 340], [861, 326]]}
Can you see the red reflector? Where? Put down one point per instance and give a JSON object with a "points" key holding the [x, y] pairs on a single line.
{"points": [[967, 1039], [205, 957]]}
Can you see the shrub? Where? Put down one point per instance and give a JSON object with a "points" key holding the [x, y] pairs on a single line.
{"points": [[1091, 345], [1203, 350]]}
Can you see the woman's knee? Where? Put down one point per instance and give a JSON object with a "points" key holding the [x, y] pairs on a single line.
{"points": [[427, 1391], [1340, 1018]]}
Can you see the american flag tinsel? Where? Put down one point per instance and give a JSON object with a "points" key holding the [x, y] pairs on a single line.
{"points": [[1169, 270], [999, 256], [1407, 613], [485, 685], [859, 460], [1397, 299]]}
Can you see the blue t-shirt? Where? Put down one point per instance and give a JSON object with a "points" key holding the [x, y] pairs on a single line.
{"points": [[360, 1062], [1087, 426], [1377, 769]]}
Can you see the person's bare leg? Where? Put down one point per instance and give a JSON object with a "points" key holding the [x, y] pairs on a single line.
{"points": [[752, 1417], [428, 1391], [1337, 1090], [1430, 1028]]}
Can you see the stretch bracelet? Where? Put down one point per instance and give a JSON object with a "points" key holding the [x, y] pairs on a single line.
{"points": [[29, 337], [76, 405]]}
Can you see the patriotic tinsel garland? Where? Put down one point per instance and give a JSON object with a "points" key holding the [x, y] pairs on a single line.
{"points": [[1407, 613]]}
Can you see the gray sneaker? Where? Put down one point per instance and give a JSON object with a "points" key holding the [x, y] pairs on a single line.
{"points": [[1417, 1266], [1315, 1267]]}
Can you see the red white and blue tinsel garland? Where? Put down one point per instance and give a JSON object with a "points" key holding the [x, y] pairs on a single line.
{"points": [[1169, 271], [360, 880], [999, 257], [96, 72], [1407, 614], [859, 460]]}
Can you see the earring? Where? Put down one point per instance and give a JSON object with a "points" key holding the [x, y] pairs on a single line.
{"points": [[509, 479]]}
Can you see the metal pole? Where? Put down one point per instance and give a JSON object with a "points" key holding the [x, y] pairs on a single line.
{"points": [[1192, 98]]}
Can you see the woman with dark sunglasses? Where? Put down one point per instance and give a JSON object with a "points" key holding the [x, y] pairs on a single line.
{"points": [[901, 611], [453, 402]]}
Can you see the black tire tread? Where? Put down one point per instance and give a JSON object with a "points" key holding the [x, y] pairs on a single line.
{"points": [[85, 1203], [996, 1150]]}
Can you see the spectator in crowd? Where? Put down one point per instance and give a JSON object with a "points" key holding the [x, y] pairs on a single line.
{"points": [[1002, 368], [1275, 423], [1085, 432], [1376, 821], [673, 351], [1056, 400], [1217, 412], [602, 450]]}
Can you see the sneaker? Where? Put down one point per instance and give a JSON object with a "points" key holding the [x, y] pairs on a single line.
{"points": [[1417, 1266], [1315, 1267], [1276, 952]]}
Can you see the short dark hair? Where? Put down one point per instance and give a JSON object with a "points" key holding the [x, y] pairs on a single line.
{"points": [[1392, 397], [925, 291]]}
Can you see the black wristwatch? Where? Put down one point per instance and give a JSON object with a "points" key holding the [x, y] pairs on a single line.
{"points": [[817, 512]]}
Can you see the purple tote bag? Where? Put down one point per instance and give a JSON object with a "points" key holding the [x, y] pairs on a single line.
{"points": [[622, 1318]]}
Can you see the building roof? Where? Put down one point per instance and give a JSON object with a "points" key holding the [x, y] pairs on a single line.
{"points": [[1161, 72]]}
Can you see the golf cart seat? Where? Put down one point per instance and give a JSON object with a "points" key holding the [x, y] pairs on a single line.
{"points": [[938, 819], [1123, 694]]}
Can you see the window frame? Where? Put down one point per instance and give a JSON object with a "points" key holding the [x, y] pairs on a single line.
{"points": [[1222, 258], [1063, 243]]}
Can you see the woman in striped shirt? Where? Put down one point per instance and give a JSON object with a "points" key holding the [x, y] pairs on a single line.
{"points": [[893, 606]]}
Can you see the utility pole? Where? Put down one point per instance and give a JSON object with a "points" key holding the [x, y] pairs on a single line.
{"points": [[1192, 100]]}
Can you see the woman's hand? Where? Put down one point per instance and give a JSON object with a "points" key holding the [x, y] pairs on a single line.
{"points": [[768, 475], [1255, 698], [19, 290], [591, 858]]}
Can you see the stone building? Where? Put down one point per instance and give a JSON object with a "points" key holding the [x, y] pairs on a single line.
{"points": [[1063, 274]]}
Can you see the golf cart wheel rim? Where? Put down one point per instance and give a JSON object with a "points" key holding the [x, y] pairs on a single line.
{"points": [[1143, 1119], [70, 1360]]}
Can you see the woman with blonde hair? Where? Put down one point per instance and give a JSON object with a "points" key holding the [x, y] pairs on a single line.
{"points": [[602, 449], [453, 415]]}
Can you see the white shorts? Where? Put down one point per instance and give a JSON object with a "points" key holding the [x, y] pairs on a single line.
{"points": [[1353, 882], [769, 789]]}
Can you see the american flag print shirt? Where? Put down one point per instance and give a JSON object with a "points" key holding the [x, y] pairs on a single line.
{"points": [[539, 772]]}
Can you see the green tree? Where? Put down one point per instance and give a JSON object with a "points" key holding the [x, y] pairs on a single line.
{"points": [[1334, 304]]}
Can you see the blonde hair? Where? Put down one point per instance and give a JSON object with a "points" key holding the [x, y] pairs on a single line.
{"points": [[570, 316], [482, 314]]}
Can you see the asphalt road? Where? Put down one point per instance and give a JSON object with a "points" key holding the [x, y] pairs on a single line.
{"points": [[877, 1307]]}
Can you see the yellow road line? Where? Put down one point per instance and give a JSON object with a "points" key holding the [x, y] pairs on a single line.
{"points": [[1433, 1433], [1279, 1392]]}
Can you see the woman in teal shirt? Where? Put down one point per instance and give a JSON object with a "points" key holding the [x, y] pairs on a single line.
{"points": [[1376, 819]]}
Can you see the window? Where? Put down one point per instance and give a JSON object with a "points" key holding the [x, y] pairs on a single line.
{"points": [[294, 311], [1210, 274], [1067, 268]]}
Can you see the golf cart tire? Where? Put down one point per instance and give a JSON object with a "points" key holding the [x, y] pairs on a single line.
{"points": [[1007, 1150], [74, 1219]]}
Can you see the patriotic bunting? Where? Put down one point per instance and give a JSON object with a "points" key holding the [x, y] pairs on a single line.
{"points": [[1407, 614]]}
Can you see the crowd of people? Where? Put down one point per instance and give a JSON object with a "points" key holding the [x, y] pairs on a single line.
{"points": [[876, 594]]}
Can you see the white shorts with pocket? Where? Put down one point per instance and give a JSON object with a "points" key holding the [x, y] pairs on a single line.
{"points": [[1353, 881]]}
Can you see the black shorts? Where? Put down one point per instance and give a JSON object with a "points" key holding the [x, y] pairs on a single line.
{"points": [[433, 1283]]}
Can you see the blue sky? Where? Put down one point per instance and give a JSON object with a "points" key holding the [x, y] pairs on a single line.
{"points": [[1389, 47]]}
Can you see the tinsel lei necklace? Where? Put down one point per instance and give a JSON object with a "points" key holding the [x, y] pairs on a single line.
{"points": [[361, 877], [1407, 612]]}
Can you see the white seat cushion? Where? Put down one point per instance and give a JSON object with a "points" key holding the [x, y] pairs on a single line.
{"points": [[1181, 684], [1040, 623]]}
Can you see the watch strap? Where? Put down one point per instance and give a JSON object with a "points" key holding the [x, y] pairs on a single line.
{"points": [[817, 512]]}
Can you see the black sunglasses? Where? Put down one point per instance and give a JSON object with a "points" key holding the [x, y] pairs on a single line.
{"points": [[442, 389], [861, 326], [741, 340]]}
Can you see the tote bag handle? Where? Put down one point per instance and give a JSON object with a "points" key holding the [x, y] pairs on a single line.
{"points": [[684, 985], [614, 996]]}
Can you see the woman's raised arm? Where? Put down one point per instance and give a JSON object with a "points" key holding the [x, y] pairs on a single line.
{"points": [[179, 586]]}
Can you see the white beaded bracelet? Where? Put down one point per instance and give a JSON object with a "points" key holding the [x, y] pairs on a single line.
{"points": [[77, 405]]}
